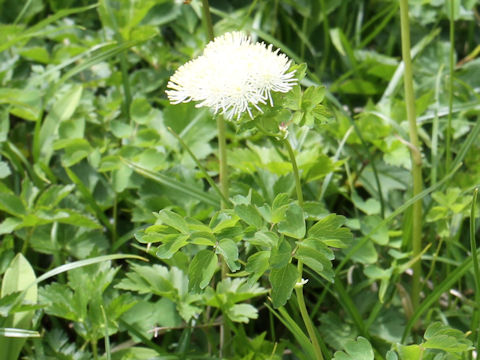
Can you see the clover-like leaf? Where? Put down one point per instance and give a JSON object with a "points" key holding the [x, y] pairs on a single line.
{"points": [[356, 350]]}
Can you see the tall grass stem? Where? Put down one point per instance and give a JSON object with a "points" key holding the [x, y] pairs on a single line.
{"points": [[415, 152], [448, 135], [476, 272]]}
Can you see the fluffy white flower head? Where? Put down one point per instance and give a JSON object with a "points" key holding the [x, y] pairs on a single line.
{"points": [[232, 75]]}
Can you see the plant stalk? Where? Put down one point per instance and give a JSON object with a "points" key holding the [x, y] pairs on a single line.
{"points": [[298, 185], [415, 152], [448, 135], [476, 271], [299, 289], [222, 155], [207, 18]]}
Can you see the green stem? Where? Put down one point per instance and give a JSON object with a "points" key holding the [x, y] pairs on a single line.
{"points": [[222, 155], [127, 94], [94, 349], [298, 185], [448, 135], [415, 152], [299, 289], [308, 322], [476, 271], [207, 18]]}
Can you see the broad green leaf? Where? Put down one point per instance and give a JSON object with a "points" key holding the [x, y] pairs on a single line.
{"points": [[256, 266], [53, 195], [171, 244], [330, 231], [10, 224], [60, 301], [266, 239], [443, 337], [410, 352], [12, 204], [18, 277], [367, 254], [369, 223], [229, 250], [280, 254], [201, 270], [4, 170], [156, 279], [279, 207], [356, 350], [294, 223], [61, 110], [249, 214], [174, 220], [140, 110], [283, 281], [26, 104], [316, 256]]}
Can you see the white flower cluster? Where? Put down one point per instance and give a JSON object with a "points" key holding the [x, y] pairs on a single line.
{"points": [[232, 74]]}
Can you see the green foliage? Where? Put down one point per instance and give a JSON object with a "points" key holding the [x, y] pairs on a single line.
{"points": [[91, 168], [18, 277], [360, 349]]}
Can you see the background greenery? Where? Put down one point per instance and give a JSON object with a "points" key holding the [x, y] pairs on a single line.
{"points": [[88, 165]]}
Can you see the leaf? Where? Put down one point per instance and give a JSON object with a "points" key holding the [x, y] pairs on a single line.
{"points": [[171, 244], [53, 195], [9, 225], [242, 313], [140, 110], [410, 352], [4, 170], [229, 250], [12, 204], [60, 301], [279, 207], [201, 270], [174, 220], [443, 337], [369, 223], [18, 277], [330, 231], [256, 266], [283, 281], [61, 110], [249, 214], [280, 254], [316, 256], [356, 350], [26, 104], [294, 223]]}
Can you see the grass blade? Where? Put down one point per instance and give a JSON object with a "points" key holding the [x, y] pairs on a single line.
{"points": [[18, 333], [296, 331]]}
